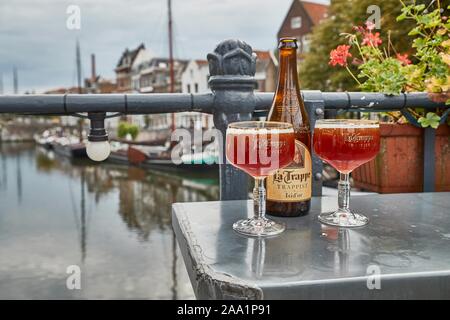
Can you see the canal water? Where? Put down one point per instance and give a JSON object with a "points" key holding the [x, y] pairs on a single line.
{"points": [[111, 221]]}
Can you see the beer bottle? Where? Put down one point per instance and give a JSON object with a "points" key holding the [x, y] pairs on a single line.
{"points": [[289, 189]]}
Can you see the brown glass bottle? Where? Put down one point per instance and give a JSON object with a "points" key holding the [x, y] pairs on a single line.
{"points": [[289, 189]]}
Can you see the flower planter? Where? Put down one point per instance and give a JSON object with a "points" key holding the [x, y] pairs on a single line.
{"points": [[399, 165]]}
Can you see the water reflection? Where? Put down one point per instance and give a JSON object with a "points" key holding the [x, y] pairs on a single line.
{"points": [[258, 257], [291, 254], [114, 221], [282, 256], [4, 177], [339, 246], [19, 180]]}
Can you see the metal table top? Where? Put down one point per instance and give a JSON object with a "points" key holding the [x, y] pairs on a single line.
{"points": [[404, 251]]}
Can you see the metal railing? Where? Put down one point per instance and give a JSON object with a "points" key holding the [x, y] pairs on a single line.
{"points": [[232, 69]]}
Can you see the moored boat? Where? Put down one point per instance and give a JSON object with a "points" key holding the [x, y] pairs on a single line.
{"points": [[45, 139], [69, 147]]}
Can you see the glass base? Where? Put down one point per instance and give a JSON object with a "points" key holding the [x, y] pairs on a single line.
{"points": [[343, 218], [261, 227]]}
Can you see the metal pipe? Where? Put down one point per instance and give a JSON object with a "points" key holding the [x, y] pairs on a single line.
{"points": [[180, 102], [377, 101], [123, 103], [359, 101]]}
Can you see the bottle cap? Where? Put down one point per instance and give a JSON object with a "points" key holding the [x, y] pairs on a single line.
{"points": [[288, 42]]}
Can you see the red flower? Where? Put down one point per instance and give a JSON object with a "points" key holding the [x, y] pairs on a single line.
{"points": [[403, 58], [357, 61], [372, 39], [359, 29], [370, 25], [339, 55]]}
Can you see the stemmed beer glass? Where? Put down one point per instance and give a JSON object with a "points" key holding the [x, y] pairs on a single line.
{"points": [[345, 144], [259, 148]]}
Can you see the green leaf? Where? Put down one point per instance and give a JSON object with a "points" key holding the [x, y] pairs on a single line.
{"points": [[423, 122], [419, 7], [414, 31], [435, 125], [419, 43], [431, 120], [401, 17]]}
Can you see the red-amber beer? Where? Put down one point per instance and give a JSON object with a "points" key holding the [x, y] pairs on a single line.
{"points": [[259, 151], [346, 144], [289, 189]]}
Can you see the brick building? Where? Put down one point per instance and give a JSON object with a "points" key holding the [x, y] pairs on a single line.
{"points": [[300, 20]]}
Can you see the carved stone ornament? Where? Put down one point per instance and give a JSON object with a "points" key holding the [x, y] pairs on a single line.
{"points": [[233, 58]]}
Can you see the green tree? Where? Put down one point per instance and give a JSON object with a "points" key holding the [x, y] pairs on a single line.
{"points": [[317, 74], [126, 128]]}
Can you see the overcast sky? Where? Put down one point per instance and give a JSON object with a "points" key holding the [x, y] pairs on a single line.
{"points": [[35, 38]]}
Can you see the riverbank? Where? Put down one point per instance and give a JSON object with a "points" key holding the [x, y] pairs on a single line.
{"points": [[113, 221]]}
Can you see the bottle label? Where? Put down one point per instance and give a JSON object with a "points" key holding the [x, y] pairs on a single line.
{"points": [[293, 183]]}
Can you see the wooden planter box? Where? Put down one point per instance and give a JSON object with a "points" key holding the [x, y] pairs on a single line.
{"points": [[399, 165]]}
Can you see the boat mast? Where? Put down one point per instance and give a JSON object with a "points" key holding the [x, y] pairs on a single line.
{"points": [[15, 80], [83, 229], [171, 68], [80, 91], [78, 57]]}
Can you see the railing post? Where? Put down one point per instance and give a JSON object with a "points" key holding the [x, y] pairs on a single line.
{"points": [[315, 106], [232, 69], [429, 140]]}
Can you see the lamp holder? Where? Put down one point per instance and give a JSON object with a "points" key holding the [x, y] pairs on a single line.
{"points": [[97, 131]]}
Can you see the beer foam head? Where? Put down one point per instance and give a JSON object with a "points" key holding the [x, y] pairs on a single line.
{"points": [[259, 127], [261, 131], [346, 124]]}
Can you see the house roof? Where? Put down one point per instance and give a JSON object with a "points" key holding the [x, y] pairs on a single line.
{"points": [[264, 59], [201, 62], [62, 90], [316, 11], [155, 64], [262, 55], [131, 54]]}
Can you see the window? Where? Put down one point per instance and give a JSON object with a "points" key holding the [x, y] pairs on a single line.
{"points": [[196, 87], [296, 22], [305, 44], [189, 88]]}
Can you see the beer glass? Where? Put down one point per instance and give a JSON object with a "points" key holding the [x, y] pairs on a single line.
{"points": [[345, 144], [259, 148]]}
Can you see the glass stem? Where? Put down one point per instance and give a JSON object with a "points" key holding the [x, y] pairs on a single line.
{"points": [[259, 199], [344, 192]]}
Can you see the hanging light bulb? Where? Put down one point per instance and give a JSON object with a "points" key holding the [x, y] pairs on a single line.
{"points": [[97, 147]]}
